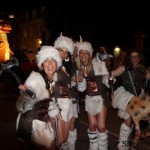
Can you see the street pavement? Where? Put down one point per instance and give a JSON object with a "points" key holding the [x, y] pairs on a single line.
{"points": [[8, 115]]}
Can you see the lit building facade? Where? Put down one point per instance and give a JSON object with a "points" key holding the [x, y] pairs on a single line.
{"points": [[30, 29]]}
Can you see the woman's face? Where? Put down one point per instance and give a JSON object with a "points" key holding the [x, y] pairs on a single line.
{"points": [[135, 58], [84, 56], [50, 67], [63, 53]]}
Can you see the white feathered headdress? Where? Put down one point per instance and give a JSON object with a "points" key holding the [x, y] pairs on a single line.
{"points": [[48, 52]]}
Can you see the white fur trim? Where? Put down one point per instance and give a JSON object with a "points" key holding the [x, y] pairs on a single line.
{"points": [[48, 52], [75, 108], [64, 42], [124, 134], [73, 83], [100, 57], [103, 139], [85, 46], [123, 114], [72, 137], [93, 104], [99, 68], [105, 80], [36, 83], [24, 103], [43, 133], [53, 109], [81, 85], [93, 140], [66, 107], [64, 146], [121, 98]]}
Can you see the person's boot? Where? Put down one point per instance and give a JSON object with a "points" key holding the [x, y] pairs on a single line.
{"points": [[93, 140], [124, 137], [102, 140], [72, 139], [64, 146]]}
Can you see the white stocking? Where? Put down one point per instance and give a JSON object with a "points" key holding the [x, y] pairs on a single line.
{"points": [[102, 140], [93, 140], [123, 137], [72, 139]]}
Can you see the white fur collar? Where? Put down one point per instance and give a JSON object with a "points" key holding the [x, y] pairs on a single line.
{"points": [[99, 68], [36, 83]]}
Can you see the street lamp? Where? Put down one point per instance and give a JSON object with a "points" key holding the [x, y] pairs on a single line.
{"points": [[117, 51]]}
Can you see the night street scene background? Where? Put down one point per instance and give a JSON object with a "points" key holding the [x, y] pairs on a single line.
{"points": [[102, 23], [123, 24]]}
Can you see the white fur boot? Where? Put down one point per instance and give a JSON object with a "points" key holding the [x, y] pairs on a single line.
{"points": [[123, 137], [93, 140], [102, 140], [64, 146], [72, 139]]}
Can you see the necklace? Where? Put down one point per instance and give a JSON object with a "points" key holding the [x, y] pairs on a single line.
{"points": [[65, 71], [85, 72]]}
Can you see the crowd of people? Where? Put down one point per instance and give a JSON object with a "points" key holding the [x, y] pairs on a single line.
{"points": [[66, 68]]}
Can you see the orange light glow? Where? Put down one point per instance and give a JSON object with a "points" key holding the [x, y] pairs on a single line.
{"points": [[4, 45]]}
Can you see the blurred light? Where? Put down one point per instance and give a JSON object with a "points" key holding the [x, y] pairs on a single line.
{"points": [[11, 16], [4, 45], [117, 51], [38, 43], [7, 56]]}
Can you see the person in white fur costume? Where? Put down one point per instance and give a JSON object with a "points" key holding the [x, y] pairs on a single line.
{"points": [[65, 46], [95, 77], [43, 119]]}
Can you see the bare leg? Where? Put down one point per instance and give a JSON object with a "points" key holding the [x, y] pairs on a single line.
{"points": [[92, 122], [60, 132], [137, 136], [72, 124], [101, 119]]}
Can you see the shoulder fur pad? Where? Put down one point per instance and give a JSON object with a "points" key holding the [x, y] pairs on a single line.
{"points": [[99, 68], [36, 83]]}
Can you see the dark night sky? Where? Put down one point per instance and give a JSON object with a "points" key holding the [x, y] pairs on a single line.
{"points": [[103, 20], [114, 22], [122, 11], [105, 13], [17, 5]]}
